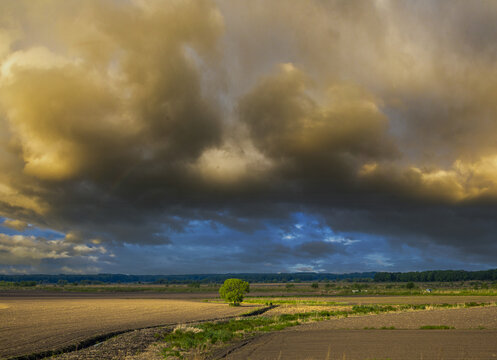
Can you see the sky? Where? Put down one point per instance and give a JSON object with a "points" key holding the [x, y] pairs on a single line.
{"points": [[178, 136]]}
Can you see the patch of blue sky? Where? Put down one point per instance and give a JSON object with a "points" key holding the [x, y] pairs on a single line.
{"points": [[31, 231]]}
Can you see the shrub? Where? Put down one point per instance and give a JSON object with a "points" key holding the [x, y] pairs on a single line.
{"points": [[436, 327], [315, 285], [233, 291]]}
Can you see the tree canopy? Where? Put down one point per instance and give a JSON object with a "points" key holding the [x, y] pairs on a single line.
{"points": [[233, 291]]}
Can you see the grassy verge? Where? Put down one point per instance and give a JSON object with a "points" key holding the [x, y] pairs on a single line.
{"points": [[290, 301], [200, 337]]}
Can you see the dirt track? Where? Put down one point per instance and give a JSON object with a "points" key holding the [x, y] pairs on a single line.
{"points": [[33, 325], [346, 338]]}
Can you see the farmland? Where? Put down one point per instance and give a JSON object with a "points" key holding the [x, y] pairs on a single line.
{"points": [[332, 320], [367, 344], [355, 332], [31, 325], [465, 333]]}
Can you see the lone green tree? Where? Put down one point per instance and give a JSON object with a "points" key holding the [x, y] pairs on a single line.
{"points": [[233, 291]]}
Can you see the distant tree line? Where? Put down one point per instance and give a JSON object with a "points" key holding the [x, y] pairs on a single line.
{"points": [[18, 283], [196, 279], [436, 275], [185, 279]]}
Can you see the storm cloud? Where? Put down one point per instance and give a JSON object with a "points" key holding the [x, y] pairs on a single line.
{"points": [[247, 136]]}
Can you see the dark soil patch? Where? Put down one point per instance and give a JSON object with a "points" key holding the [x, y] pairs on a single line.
{"points": [[371, 344]]}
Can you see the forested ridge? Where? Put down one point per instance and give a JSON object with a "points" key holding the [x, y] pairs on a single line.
{"points": [[436, 275]]}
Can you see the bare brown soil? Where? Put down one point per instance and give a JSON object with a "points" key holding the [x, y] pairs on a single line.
{"points": [[134, 345], [40, 294], [34, 325], [474, 337], [372, 344], [464, 318]]}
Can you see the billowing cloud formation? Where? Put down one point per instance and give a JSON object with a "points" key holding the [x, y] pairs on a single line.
{"points": [[124, 123], [41, 253]]}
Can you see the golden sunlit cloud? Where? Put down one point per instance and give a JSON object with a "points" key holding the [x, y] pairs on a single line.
{"points": [[15, 224]]}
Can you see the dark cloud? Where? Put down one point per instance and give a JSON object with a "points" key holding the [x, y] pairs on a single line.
{"points": [[123, 123]]}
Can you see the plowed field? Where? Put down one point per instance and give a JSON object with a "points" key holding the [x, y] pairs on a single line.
{"points": [[372, 344], [474, 337], [34, 325]]}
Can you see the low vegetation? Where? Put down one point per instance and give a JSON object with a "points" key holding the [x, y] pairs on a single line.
{"points": [[436, 327], [201, 336]]}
